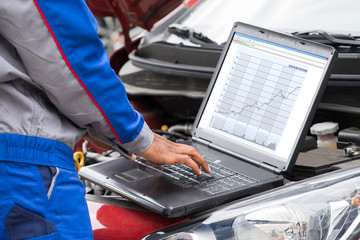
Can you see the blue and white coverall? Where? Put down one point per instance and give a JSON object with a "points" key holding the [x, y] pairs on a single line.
{"points": [[56, 84]]}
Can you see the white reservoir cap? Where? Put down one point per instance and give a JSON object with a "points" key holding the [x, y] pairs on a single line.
{"points": [[324, 128]]}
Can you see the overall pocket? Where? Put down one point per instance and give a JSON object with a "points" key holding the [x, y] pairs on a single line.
{"points": [[31, 187], [48, 175], [21, 223]]}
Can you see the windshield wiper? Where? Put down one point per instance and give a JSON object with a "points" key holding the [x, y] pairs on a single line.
{"points": [[330, 39], [191, 35]]}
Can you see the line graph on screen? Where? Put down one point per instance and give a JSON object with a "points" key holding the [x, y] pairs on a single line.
{"points": [[257, 98]]}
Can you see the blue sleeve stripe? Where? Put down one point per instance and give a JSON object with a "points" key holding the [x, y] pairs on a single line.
{"points": [[74, 31]]}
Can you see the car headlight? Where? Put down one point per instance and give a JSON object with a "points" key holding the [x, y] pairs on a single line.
{"points": [[323, 207]]}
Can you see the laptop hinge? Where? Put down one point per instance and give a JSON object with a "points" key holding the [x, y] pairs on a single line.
{"points": [[202, 141], [261, 165], [270, 167]]}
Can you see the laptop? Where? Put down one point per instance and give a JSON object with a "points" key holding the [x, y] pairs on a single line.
{"points": [[250, 126]]}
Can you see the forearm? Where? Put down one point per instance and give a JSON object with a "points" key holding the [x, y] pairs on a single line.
{"points": [[64, 57]]}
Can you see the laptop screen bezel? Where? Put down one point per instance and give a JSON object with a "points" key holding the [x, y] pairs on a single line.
{"points": [[248, 152]]}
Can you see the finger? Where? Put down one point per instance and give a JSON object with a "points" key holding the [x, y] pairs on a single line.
{"points": [[199, 159], [205, 167], [193, 165], [195, 156], [176, 158], [168, 152]]}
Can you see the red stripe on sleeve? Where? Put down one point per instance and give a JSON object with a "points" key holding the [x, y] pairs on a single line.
{"points": [[74, 73]]}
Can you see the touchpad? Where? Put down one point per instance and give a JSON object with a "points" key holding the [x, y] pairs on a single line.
{"points": [[133, 175]]}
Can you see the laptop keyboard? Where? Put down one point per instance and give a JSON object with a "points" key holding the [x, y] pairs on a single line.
{"points": [[220, 179]]}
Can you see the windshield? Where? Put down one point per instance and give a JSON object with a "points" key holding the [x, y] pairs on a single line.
{"points": [[215, 18]]}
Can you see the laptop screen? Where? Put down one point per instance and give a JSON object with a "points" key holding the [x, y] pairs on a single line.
{"points": [[261, 97]]}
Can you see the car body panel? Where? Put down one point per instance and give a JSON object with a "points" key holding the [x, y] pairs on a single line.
{"points": [[119, 219], [171, 74]]}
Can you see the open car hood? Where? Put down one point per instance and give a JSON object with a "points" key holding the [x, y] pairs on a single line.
{"points": [[142, 13]]}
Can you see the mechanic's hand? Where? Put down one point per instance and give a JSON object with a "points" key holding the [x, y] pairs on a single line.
{"points": [[163, 151]]}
